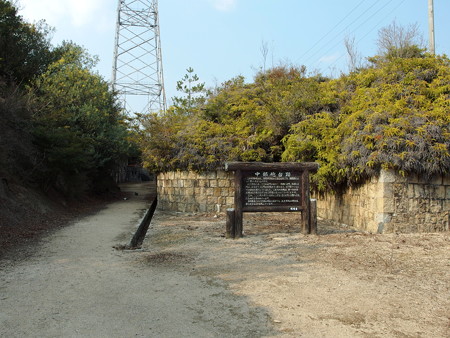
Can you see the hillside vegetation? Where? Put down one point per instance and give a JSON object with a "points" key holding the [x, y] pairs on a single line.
{"points": [[393, 113]]}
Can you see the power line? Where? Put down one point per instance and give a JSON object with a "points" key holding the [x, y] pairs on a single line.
{"points": [[364, 22], [340, 32], [331, 30], [368, 32]]}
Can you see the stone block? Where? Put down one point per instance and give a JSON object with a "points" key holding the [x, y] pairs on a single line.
{"points": [[388, 189], [379, 204], [436, 206], [224, 183], [202, 199], [429, 219], [447, 192], [209, 191], [438, 192], [213, 183], [428, 190], [189, 191], [212, 200], [401, 204], [424, 206], [446, 180], [389, 205], [387, 176], [446, 205], [379, 191], [230, 201], [217, 192], [381, 217], [413, 178], [410, 191], [437, 180], [345, 212], [220, 174], [192, 175], [210, 175], [419, 191]]}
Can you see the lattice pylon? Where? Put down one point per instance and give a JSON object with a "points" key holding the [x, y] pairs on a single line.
{"points": [[137, 65]]}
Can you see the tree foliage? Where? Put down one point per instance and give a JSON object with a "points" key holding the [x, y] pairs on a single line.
{"points": [[87, 133], [392, 116], [58, 114], [193, 93], [399, 41], [25, 49], [238, 121]]}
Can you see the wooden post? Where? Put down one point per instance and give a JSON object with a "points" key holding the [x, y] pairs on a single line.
{"points": [[313, 216], [238, 203], [306, 203], [230, 225]]}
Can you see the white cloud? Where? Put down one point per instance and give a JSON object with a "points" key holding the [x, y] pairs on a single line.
{"points": [[329, 58], [77, 12], [224, 5], [50, 10], [84, 11]]}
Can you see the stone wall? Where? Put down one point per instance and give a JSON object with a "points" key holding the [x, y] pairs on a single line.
{"points": [[196, 192], [389, 203]]}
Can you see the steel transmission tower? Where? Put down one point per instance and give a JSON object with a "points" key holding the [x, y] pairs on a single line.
{"points": [[137, 66]]}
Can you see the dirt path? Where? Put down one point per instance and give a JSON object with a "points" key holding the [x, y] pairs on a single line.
{"points": [[188, 281], [76, 285]]}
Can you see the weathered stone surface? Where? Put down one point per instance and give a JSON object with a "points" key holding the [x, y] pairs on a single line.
{"points": [[390, 203]]}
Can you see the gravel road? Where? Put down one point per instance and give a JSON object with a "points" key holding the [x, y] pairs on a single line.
{"points": [[187, 280]]}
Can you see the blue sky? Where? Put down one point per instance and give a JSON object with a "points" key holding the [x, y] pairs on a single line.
{"points": [[221, 39]]}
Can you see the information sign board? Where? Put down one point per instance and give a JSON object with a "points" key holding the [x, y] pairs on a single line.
{"points": [[270, 187]]}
